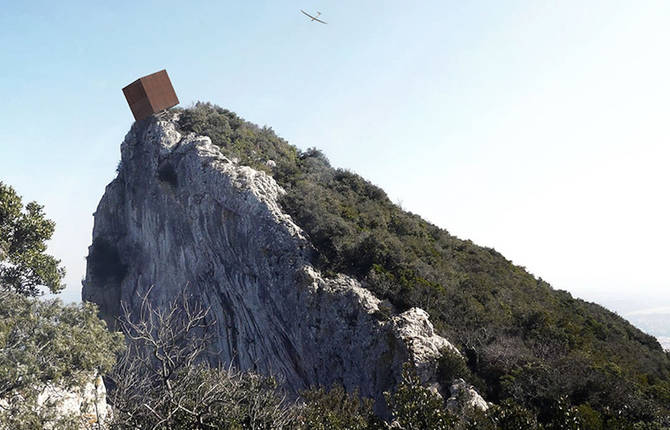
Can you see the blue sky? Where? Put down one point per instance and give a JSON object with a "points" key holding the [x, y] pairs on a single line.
{"points": [[539, 128]]}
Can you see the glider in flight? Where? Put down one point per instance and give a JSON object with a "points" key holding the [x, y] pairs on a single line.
{"points": [[314, 18]]}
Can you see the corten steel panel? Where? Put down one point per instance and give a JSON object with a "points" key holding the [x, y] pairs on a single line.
{"points": [[159, 90], [150, 94], [138, 100]]}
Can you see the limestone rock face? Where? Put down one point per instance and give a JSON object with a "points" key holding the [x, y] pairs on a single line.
{"points": [[83, 406], [464, 396], [181, 215], [87, 402]]}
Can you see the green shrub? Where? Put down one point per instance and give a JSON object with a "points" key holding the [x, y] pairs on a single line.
{"points": [[450, 366], [45, 342], [509, 415], [335, 409], [590, 419], [415, 407]]}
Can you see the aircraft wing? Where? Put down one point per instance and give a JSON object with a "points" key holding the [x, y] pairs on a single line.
{"points": [[313, 17], [307, 14]]}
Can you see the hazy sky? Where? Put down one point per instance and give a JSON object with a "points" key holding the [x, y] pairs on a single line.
{"points": [[539, 128]]}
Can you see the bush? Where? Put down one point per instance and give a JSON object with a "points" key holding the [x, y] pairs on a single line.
{"points": [[512, 416], [335, 409], [47, 343], [450, 366], [415, 407]]}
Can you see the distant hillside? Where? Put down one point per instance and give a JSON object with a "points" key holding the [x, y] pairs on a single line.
{"points": [[525, 342]]}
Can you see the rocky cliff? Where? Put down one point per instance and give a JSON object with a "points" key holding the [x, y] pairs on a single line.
{"points": [[181, 215]]}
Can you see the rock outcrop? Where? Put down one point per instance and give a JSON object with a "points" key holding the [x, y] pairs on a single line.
{"points": [[82, 406], [87, 402], [464, 396], [181, 215]]}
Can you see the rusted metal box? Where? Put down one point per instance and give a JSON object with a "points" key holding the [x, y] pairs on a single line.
{"points": [[150, 94]]}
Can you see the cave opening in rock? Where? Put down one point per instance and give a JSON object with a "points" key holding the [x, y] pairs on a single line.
{"points": [[167, 173], [104, 261]]}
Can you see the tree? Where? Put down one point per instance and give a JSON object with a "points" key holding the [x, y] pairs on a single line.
{"points": [[336, 409], [45, 344], [163, 380], [509, 415], [416, 407], [24, 266]]}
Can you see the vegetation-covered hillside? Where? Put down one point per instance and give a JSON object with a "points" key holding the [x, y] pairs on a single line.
{"points": [[527, 345]]}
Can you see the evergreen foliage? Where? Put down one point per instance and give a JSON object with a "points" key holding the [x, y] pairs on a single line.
{"points": [[43, 342], [524, 342], [335, 409], [24, 266], [415, 407]]}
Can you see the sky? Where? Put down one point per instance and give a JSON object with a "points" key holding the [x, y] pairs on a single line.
{"points": [[536, 128]]}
